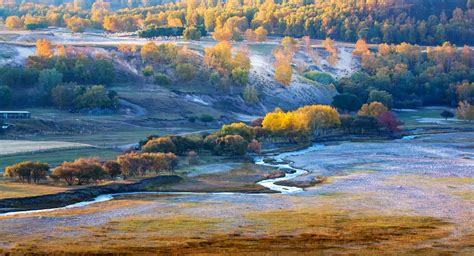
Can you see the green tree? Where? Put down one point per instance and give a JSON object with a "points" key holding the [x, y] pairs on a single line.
{"points": [[5, 96], [185, 72], [346, 102], [381, 96], [49, 78], [191, 33]]}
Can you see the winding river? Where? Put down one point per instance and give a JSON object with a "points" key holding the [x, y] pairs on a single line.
{"points": [[276, 161]]}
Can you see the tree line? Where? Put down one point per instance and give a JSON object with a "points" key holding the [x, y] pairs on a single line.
{"points": [[394, 21], [69, 78]]}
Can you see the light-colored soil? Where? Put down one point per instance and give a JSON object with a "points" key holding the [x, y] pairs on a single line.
{"points": [[8, 147]]}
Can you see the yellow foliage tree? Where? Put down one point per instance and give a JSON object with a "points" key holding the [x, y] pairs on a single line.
{"points": [[44, 48], [361, 48], [303, 122], [149, 51], [261, 34], [13, 22]]}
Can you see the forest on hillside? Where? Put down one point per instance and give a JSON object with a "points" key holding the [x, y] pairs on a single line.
{"points": [[427, 22]]}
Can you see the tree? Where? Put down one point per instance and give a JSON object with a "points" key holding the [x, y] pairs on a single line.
{"points": [[250, 94], [149, 51], [96, 97], [162, 79], [465, 111], [13, 22], [381, 96], [44, 48], [346, 102], [300, 124], [138, 164], [77, 24], [240, 76], [261, 34], [112, 168], [389, 122], [185, 72], [250, 35], [148, 71], [446, 114], [191, 33], [127, 49], [163, 145], [328, 44], [374, 109], [28, 171], [5, 96], [361, 48], [255, 146], [82, 171], [49, 78], [233, 145], [247, 132], [63, 97]]}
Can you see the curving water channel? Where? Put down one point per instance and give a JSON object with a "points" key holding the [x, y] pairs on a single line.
{"points": [[277, 161]]}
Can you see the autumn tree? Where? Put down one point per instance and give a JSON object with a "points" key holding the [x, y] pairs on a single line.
{"points": [[28, 171], [389, 122], [163, 145], [13, 22], [328, 44], [374, 109], [234, 145], [465, 111], [44, 48], [250, 35], [283, 69], [127, 49], [112, 168], [261, 34], [361, 48]]}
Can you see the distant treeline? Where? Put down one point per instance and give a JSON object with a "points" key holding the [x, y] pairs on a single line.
{"points": [[393, 21]]}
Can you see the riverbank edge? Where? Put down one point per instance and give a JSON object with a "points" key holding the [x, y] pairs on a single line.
{"points": [[78, 195]]}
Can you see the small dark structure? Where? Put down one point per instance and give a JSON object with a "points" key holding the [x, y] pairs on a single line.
{"points": [[15, 115]]}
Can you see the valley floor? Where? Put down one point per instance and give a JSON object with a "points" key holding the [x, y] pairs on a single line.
{"points": [[398, 197]]}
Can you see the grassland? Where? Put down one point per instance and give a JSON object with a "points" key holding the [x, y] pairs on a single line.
{"points": [[299, 231], [13, 190]]}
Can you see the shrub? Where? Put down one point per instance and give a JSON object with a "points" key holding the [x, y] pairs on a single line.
{"points": [[185, 72], [162, 79], [206, 118], [163, 145], [241, 129], [191, 33], [319, 77], [233, 145], [250, 94]]}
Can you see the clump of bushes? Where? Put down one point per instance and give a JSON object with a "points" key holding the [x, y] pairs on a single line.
{"points": [[320, 77], [162, 79]]}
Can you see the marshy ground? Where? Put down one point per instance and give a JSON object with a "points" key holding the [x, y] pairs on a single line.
{"points": [[398, 197]]}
